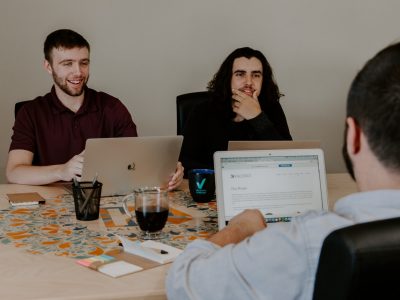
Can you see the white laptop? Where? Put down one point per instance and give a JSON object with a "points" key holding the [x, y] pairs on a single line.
{"points": [[123, 164], [270, 145], [281, 183]]}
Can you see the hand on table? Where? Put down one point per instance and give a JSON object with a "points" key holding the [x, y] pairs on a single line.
{"points": [[176, 178]]}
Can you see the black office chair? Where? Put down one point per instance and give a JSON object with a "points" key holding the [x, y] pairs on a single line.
{"points": [[360, 262], [18, 106], [185, 104]]}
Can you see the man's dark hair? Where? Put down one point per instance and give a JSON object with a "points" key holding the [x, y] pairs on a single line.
{"points": [[63, 38], [374, 102], [220, 85]]}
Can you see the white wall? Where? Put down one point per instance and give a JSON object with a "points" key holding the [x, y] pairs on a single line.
{"points": [[146, 52]]}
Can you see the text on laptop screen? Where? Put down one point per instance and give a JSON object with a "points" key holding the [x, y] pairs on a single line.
{"points": [[280, 186]]}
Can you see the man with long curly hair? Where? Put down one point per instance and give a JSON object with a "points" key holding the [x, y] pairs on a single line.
{"points": [[244, 105]]}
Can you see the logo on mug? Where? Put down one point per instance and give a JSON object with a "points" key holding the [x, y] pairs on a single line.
{"points": [[200, 185]]}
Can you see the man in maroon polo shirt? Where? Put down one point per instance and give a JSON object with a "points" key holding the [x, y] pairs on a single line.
{"points": [[50, 132]]}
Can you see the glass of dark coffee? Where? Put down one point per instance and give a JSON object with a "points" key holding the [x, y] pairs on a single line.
{"points": [[151, 210]]}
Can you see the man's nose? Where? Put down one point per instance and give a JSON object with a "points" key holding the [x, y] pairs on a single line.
{"points": [[249, 80], [77, 69]]}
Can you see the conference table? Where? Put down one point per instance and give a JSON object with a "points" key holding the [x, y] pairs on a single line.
{"points": [[39, 245]]}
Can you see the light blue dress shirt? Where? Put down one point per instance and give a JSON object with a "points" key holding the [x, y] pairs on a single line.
{"points": [[276, 263]]}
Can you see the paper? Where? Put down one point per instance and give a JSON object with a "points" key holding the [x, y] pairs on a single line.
{"points": [[108, 265], [25, 199], [118, 268], [152, 250]]}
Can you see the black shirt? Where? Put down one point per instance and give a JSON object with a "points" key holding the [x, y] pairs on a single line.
{"points": [[207, 131]]}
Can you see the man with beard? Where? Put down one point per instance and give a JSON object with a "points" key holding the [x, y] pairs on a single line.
{"points": [[50, 132], [246, 260], [244, 105]]}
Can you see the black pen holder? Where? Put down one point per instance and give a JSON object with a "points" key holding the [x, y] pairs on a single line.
{"points": [[87, 200]]}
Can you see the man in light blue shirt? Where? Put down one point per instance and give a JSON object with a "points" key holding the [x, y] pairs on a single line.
{"points": [[246, 260]]}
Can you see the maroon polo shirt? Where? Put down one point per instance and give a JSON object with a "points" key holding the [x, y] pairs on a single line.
{"points": [[55, 134]]}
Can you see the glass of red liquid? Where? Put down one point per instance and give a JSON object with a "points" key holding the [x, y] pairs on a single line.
{"points": [[151, 211]]}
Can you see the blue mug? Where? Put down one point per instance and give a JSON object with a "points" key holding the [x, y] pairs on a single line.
{"points": [[202, 184]]}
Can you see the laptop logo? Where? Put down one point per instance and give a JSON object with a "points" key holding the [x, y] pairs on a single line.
{"points": [[131, 167]]}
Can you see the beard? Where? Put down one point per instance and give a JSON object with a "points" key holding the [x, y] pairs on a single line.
{"points": [[346, 156], [62, 84]]}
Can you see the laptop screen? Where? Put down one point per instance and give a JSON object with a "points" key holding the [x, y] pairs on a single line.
{"points": [[280, 185]]}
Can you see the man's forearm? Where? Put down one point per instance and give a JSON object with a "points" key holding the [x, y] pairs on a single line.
{"points": [[240, 227], [35, 175], [228, 235]]}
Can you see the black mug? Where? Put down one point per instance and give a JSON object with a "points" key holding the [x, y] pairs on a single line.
{"points": [[202, 185]]}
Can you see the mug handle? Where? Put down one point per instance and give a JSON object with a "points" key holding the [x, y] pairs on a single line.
{"points": [[125, 205]]}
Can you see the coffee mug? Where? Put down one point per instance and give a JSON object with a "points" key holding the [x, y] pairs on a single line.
{"points": [[151, 211], [202, 184]]}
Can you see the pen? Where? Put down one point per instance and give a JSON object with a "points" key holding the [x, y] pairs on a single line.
{"points": [[94, 180], [76, 183], [87, 199], [158, 251]]}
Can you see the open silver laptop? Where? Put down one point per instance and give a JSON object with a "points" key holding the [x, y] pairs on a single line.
{"points": [[270, 145], [281, 183], [123, 164]]}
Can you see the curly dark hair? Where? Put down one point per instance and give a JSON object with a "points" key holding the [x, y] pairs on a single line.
{"points": [[220, 85]]}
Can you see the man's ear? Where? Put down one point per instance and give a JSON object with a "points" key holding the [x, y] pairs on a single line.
{"points": [[353, 137], [48, 67]]}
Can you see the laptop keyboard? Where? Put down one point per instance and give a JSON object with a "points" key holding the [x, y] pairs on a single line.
{"points": [[273, 220], [277, 219]]}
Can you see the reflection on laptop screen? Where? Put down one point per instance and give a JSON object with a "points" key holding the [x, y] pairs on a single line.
{"points": [[280, 186]]}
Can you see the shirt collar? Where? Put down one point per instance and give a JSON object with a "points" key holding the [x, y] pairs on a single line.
{"points": [[88, 105], [363, 205]]}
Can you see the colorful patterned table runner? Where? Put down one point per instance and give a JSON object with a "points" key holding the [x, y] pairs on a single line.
{"points": [[53, 228]]}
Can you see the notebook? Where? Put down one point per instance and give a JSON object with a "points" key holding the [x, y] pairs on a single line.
{"points": [[281, 183], [123, 164], [270, 145], [135, 256]]}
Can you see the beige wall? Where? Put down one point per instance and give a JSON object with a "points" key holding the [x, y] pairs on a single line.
{"points": [[146, 52]]}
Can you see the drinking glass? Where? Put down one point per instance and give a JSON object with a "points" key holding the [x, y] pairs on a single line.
{"points": [[151, 210]]}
